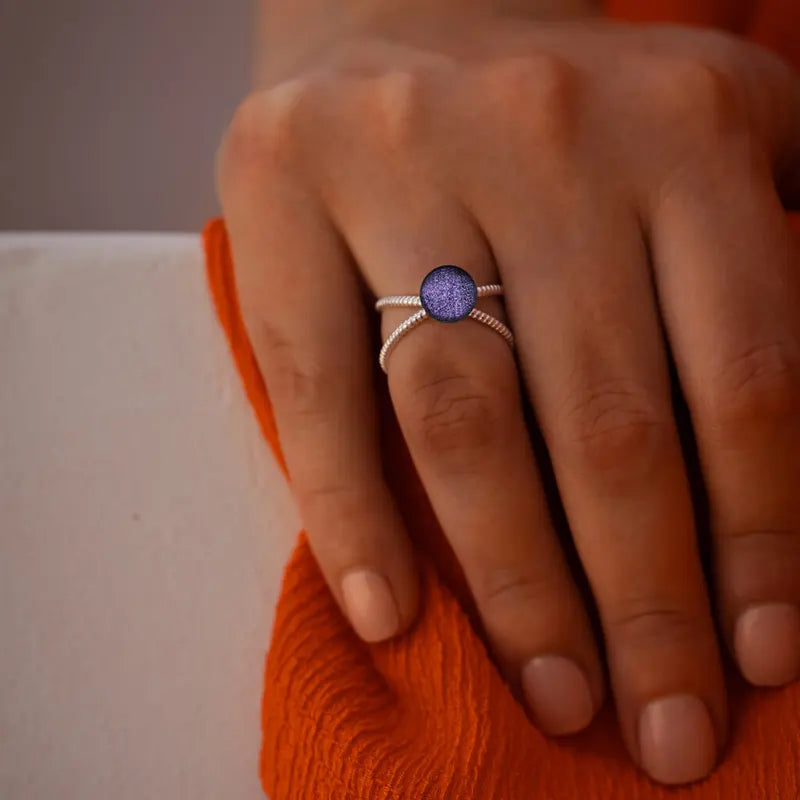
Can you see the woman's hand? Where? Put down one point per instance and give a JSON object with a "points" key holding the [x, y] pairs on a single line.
{"points": [[621, 183]]}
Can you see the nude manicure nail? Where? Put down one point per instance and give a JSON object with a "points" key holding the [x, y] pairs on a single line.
{"points": [[370, 605], [767, 644], [558, 694], [676, 739]]}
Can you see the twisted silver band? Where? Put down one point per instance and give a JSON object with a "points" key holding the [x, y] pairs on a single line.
{"points": [[414, 301]]}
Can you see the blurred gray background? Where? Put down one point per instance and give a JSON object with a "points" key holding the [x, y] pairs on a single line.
{"points": [[110, 112]]}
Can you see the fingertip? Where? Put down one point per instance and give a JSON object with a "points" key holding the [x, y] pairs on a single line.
{"points": [[370, 605], [382, 603], [559, 694]]}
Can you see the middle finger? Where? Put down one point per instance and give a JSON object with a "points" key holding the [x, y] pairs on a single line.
{"points": [[595, 366], [457, 396]]}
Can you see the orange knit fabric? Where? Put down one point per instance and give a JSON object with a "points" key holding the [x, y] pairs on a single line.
{"points": [[428, 717]]}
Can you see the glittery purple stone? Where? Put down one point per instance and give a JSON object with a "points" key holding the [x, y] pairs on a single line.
{"points": [[448, 293]]}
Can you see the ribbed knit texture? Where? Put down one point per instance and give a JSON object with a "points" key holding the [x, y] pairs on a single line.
{"points": [[428, 717]]}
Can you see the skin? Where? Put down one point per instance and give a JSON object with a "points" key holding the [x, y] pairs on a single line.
{"points": [[627, 186]]}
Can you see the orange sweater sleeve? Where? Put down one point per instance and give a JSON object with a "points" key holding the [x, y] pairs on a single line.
{"points": [[427, 716]]}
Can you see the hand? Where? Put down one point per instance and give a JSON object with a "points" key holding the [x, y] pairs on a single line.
{"points": [[623, 185]]}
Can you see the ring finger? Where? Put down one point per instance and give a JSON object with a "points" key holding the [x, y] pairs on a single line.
{"points": [[456, 392]]}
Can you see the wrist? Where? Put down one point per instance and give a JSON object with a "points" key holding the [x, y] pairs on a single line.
{"points": [[289, 32]]}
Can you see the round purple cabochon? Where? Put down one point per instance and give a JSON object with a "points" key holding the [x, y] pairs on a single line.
{"points": [[448, 293]]}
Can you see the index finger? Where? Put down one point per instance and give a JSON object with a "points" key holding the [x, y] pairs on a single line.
{"points": [[301, 304]]}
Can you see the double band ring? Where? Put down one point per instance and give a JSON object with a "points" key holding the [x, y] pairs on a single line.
{"points": [[447, 294]]}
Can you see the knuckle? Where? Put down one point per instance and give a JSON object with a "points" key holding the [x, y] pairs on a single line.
{"points": [[241, 140], [306, 389], [453, 418], [323, 498], [245, 130], [759, 386], [614, 430], [339, 517], [754, 559], [639, 623], [536, 96], [541, 74], [511, 587], [760, 555], [401, 97], [303, 388], [766, 539], [265, 128], [697, 95], [726, 49]]}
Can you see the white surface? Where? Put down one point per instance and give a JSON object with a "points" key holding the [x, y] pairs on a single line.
{"points": [[143, 528]]}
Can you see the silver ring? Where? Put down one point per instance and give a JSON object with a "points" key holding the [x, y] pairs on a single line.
{"points": [[447, 294]]}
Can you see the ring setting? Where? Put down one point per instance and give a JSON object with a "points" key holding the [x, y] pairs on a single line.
{"points": [[447, 294]]}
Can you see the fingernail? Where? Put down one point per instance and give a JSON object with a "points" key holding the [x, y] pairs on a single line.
{"points": [[558, 694], [767, 644], [676, 739], [370, 605]]}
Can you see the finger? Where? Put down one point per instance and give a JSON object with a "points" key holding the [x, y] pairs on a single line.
{"points": [[729, 280], [608, 420], [594, 363], [581, 304], [302, 306], [456, 392], [457, 398], [707, 70]]}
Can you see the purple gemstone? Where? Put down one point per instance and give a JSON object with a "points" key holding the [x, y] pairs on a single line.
{"points": [[448, 293]]}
